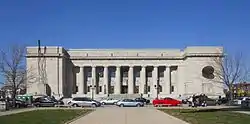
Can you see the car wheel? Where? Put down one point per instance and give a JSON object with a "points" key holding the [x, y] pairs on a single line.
{"points": [[121, 105], [115, 103], [38, 105], [103, 103], [93, 105], [75, 105], [138, 105]]}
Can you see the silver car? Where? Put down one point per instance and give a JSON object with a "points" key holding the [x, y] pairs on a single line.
{"points": [[129, 103], [84, 102]]}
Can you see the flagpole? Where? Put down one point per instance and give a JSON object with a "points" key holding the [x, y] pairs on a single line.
{"points": [[39, 62]]}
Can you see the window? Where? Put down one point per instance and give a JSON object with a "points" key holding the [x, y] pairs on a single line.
{"points": [[161, 74], [112, 74], [88, 88], [77, 99], [76, 88], [145, 89], [136, 89], [89, 74], [137, 74], [172, 88], [125, 74], [160, 88], [100, 88], [100, 74], [148, 88], [149, 74], [111, 89]]}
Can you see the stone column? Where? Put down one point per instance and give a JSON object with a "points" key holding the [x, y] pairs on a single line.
{"points": [[155, 81], [105, 80], [131, 80], [80, 81], [117, 87], [167, 80], [181, 79], [142, 79], [93, 83]]}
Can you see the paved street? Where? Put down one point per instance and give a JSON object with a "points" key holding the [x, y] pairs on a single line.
{"points": [[127, 116]]}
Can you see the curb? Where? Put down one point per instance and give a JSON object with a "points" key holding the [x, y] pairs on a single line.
{"points": [[174, 118], [78, 117]]}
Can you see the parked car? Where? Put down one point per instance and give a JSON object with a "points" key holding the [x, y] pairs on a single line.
{"points": [[166, 102], [44, 102], [129, 103], [141, 99], [223, 100], [58, 102], [239, 100], [84, 102], [109, 101], [211, 102], [245, 103]]}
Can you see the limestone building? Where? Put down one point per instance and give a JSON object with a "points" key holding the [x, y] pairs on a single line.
{"points": [[105, 72]]}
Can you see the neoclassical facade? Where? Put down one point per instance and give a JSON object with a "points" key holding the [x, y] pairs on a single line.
{"points": [[105, 72]]}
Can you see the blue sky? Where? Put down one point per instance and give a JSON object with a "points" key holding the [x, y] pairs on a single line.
{"points": [[127, 23]]}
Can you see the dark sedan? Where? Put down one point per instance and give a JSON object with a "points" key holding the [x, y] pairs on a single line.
{"points": [[143, 100], [45, 102]]}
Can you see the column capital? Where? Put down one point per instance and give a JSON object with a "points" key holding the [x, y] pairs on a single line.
{"points": [[105, 66], [156, 66], [167, 66], [93, 66]]}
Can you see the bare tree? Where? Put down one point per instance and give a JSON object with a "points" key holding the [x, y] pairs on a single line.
{"points": [[229, 70], [13, 69]]}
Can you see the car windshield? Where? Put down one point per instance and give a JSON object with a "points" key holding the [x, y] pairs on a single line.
{"points": [[240, 98]]}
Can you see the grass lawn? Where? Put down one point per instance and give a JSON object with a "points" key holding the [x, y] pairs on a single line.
{"points": [[209, 116], [56, 116]]}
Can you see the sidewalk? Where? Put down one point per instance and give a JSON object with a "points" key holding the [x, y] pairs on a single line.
{"points": [[128, 116], [15, 111]]}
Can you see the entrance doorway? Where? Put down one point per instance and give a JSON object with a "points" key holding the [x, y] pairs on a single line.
{"points": [[124, 90]]}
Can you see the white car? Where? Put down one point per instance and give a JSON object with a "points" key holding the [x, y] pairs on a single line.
{"points": [[239, 100], [109, 101]]}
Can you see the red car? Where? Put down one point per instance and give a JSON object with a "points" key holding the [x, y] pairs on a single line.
{"points": [[166, 102]]}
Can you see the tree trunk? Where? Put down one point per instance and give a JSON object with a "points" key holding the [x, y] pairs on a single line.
{"points": [[231, 96], [14, 99]]}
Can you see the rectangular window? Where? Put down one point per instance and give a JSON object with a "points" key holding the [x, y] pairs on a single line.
{"points": [[89, 74], [112, 74], [100, 74], [137, 74], [100, 88], [148, 88], [161, 74], [111, 89], [136, 89], [145, 89], [125, 74], [76, 88], [149, 74], [172, 88], [88, 88]]}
